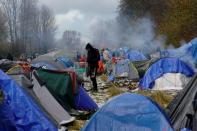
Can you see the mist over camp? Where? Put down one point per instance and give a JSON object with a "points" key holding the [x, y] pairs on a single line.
{"points": [[98, 65]]}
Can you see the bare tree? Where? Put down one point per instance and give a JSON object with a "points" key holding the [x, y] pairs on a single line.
{"points": [[71, 39], [37, 27], [11, 9], [31, 27], [47, 28], [3, 28], [28, 18]]}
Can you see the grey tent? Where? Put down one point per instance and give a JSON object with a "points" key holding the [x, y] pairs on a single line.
{"points": [[142, 66], [44, 99], [22, 80], [50, 103], [48, 60], [42, 58], [125, 68]]}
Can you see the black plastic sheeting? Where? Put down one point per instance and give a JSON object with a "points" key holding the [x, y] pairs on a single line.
{"points": [[182, 111]]}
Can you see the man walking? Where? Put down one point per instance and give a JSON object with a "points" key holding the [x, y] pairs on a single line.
{"points": [[93, 58]]}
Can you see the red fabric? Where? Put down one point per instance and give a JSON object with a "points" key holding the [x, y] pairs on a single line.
{"points": [[74, 80], [116, 59], [82, 59], [26, 67], [113, 59], [101, 67]]}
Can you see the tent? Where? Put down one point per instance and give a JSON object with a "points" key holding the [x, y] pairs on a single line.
{"points": [[66, 62], [84, 102], [42, 58], [5, 64], [46, 62], [20, 68], [182, 111], [125, 68], [16, 70], [135, 56], [19, 111], [60, 86], [44, 65], [192, 50], [129, 112], [143, 66], [53, 107], [167, 73], [22, 80], [53, 110], [187, 52], [170, 81]]}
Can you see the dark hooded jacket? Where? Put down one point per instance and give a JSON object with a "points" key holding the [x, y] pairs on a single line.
{"points": [[92, 58]]}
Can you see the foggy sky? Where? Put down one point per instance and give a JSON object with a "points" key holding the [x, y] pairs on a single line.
{"points": [[80, 14]]}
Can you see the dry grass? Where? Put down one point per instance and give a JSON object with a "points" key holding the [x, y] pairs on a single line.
{"points": [[161, 97], [114, 91], [104, 77], [76, 125]]}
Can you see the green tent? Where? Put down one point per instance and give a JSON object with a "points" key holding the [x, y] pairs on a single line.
{"points": [[60, 86]]}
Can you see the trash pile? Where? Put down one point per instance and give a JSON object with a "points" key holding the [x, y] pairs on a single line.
{"points": [[52, 92]]}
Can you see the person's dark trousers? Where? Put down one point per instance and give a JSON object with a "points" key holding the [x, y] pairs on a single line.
{"points": [[94, 83], [93, 72]]}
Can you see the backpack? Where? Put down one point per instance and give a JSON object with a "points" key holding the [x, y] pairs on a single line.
{"points": [[97, 54]]}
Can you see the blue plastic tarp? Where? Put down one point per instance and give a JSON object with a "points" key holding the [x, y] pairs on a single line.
{"points": [[135, 56], [129, 112], [192, 50], [185, 129], [177, 53], [163, 66], [111, 77], [84, 102], [187, 52], [125, 49], [110, 52], [5, 123], [66, 62], [18, 111], [121, 68]]}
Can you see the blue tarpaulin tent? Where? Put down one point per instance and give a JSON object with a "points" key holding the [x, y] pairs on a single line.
{"points": [[66, 62], [177, 53], [163, 66], [18, 111], [84, 102], [192, 50], [135, 56], [187, 52], [129, 112]]}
